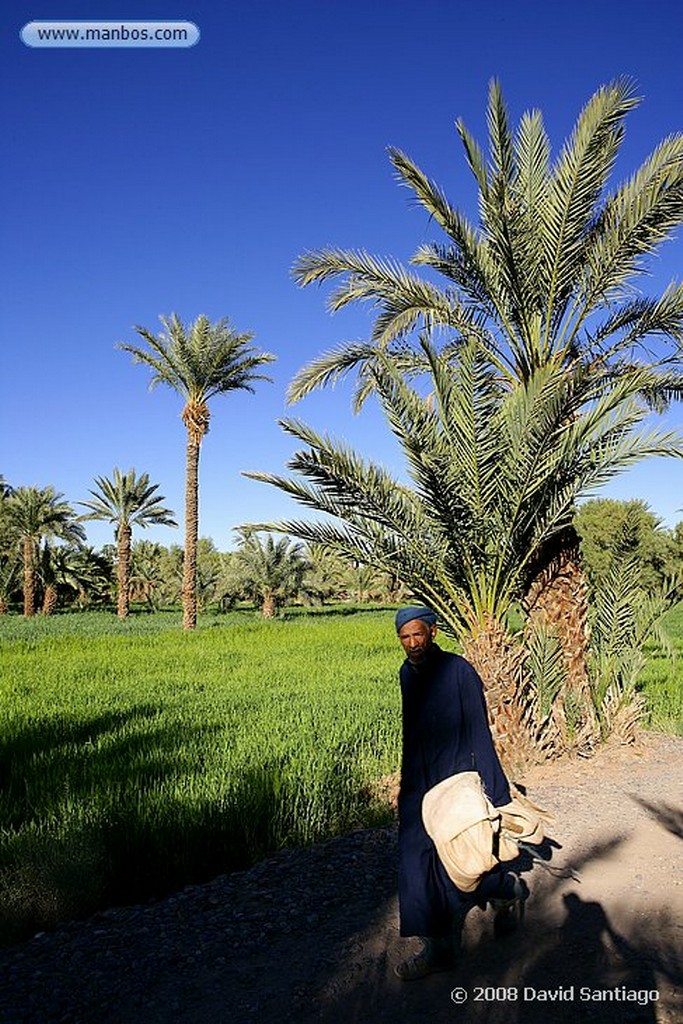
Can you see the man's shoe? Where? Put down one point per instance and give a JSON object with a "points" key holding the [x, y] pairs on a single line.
{"points": [[509, 914], [433, 959]]}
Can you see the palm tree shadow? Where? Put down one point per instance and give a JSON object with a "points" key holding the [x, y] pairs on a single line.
{"points": [[668, 816], [588, 964]]}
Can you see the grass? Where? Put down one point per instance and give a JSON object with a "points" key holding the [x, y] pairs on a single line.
{"points": [[136, 759], [662, 680]]}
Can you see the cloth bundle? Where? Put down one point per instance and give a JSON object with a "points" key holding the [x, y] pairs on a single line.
{"points": [[472, 836]]}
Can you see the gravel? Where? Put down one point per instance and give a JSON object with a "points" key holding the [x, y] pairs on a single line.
{"points": [[149, 963]]}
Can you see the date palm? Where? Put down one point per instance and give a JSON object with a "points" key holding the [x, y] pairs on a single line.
{"points": [[146, 575], [34, 514], [494, 475], [79, 573], [545, 279], [199, 362], [126, 500], [271, 571]]}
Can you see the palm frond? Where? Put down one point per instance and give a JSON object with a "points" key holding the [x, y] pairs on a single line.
{"points": [[641, 318], [468, 262], [328, 369], [577, 181], [529, 196], [547, 671], [634, 221], [475, 157]]}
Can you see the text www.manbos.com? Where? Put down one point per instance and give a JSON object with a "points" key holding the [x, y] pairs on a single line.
{"points": [[106, 33]]}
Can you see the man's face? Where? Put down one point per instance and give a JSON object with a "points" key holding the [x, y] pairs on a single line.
{"points": [[416, 638]]}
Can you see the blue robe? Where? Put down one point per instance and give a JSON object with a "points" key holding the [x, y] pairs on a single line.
{"points": [[445, 730]]}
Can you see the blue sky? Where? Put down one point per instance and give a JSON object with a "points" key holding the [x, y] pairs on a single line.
{"points": [[144, 182]]}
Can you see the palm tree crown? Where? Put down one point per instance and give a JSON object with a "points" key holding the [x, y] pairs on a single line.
{"points": [[208, 360], [494, 475], [547, 275], [125, 499]]}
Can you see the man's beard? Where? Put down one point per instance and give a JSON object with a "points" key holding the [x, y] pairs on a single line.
{"points": [[420, 657]]}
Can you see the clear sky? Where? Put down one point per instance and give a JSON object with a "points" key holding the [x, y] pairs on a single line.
{"points": [[140, 182]]}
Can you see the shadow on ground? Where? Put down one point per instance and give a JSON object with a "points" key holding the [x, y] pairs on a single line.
{"points": [[668, 816], [311, 935], [567, 964]]}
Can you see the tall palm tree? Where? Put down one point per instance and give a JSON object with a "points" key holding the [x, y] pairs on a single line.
{"points": [[198, 362], [34, 513], [126, 501], [495, 472], [545, 279]]}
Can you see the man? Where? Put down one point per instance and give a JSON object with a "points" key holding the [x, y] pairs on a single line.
{"points": [[445, 731]]}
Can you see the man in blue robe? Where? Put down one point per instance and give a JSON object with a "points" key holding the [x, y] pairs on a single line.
{"points": [[445, 731]]}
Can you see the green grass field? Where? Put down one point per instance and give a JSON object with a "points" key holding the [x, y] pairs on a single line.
{"points": [[137, 759], [662, 680]]}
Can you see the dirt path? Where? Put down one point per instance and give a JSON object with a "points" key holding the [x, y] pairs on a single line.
{"points": [[311, 935]]}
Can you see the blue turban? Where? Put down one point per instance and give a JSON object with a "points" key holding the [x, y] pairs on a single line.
{"points": [[414, 611]]}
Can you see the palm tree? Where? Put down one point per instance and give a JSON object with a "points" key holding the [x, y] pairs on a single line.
{"points": [[546, 279], [329, 575], [495, 472], [126, 501], [81, 573], [146, 575], [625, 617], [272, 571], [35, 513], [199, 363]]}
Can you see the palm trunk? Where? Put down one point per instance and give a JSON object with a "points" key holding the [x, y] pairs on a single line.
{"points": [[29, 579], [557, 601], [189, 593], [499, 662], [124, 535], [49, 599], [268, 608]]}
